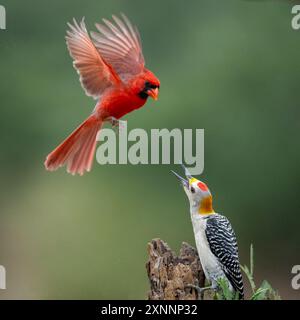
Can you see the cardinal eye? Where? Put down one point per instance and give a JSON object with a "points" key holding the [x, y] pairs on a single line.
{"points": [[149, 85], [192, 190]]}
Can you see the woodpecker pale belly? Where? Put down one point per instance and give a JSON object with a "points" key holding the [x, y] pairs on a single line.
{"points": [[217, 248], [211, 266]]}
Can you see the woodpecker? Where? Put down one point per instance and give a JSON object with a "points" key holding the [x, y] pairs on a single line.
{"points": [[215, 239]]}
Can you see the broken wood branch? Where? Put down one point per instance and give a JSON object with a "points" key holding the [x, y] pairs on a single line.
{"points": [[170, 274]]}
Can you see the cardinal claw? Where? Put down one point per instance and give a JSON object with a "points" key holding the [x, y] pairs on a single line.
{"points": [[117, 125]]}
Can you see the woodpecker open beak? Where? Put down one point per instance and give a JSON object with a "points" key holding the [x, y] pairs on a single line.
{"points": [[185, 182], [186, 172], [153, 93]]}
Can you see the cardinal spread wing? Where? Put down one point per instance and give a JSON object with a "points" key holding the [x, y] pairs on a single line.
{"points": [[95, 74], [119, 44]]}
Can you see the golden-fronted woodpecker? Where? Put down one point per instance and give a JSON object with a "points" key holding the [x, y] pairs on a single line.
{"points": [[215, 239]]}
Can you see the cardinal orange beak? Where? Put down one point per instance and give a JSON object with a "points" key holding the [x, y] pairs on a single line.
{"points": [[153, 93]]}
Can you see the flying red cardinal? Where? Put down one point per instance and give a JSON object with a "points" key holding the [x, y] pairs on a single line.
{"points": [[112, 70]]}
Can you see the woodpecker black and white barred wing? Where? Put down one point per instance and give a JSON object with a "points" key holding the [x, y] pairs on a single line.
{"points": [[223, 244]]}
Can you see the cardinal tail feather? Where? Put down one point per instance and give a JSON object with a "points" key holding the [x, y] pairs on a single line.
{"points": [[77, 151]]}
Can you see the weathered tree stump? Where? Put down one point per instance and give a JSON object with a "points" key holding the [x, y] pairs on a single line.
{"points": [[169, 274]]}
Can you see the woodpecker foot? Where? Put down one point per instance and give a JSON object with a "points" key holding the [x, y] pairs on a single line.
{"points": [[117, 125], [200, 291]]}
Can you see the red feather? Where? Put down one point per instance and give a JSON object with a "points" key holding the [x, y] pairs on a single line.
{"points": [[112, 70]]}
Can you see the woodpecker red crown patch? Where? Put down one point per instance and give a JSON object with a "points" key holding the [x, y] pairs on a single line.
{"points": [[202, 186]]}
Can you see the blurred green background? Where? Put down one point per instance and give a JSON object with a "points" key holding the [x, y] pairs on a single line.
{"points": [[230, 67]]}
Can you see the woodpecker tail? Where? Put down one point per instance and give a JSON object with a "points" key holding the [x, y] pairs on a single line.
{"points": [[78, 150]]}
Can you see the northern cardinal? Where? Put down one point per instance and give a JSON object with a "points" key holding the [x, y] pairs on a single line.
{"points": [[112, 70]]}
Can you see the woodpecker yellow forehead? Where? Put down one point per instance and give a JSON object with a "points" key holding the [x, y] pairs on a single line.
{"points": [[192, 180]]}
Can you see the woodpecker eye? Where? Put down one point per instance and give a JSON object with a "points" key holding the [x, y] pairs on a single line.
{"points": [[192, 190]]}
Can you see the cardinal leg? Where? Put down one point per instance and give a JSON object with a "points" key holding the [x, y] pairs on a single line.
{"points": [[117, 125]]}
